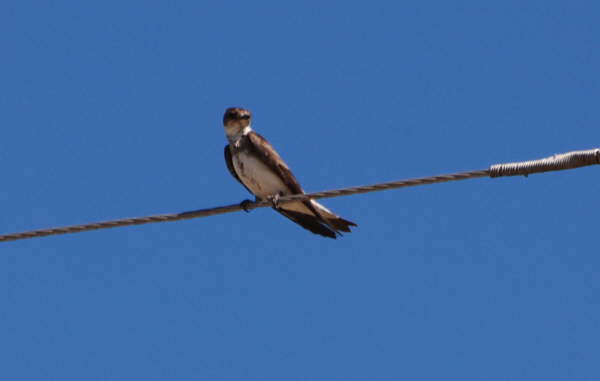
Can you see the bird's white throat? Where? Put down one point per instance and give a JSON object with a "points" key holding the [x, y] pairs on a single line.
{"points": [[234, 134]]}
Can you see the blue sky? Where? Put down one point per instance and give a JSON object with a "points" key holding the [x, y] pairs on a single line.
{"points": [[113, 109]]}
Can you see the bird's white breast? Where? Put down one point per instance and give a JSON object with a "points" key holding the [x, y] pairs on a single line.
{"points": [[257, 176]]}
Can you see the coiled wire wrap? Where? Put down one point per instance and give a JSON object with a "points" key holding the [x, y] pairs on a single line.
{"points": [[569, 160]]}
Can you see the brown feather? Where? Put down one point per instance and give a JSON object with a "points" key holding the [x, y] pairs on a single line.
{"points": [[310, 223], [229, 162]]}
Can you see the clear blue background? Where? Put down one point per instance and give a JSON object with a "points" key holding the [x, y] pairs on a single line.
{"points": [[113, 109]]}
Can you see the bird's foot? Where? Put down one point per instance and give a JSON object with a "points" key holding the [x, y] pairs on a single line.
{"points": [[245, 205], [275, 200]]}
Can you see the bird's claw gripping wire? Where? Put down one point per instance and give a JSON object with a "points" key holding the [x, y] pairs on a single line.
{"points": [[245, 205], [275, 200]]}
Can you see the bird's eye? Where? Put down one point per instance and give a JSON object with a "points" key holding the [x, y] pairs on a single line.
{"points": [[246, 116]]}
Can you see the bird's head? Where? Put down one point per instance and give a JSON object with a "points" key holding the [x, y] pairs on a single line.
{"points": [[236, 120]]}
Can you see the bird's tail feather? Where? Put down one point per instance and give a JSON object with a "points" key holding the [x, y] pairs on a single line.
{"points": [[309, 222], [324, 223], [334, 220], [341, 224]]}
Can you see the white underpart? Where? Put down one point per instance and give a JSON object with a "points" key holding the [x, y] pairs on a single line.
{"points": [[324, 211], [257, 176], [234, 134], [264, 183]]}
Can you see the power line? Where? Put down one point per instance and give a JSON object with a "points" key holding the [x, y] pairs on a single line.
{"points": [[569, 160]]}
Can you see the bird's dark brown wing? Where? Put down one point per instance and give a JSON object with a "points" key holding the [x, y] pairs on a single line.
{"points": [[274, 161], [229, 163]]}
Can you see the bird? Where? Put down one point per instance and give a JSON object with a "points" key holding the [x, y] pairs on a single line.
{"points": [[253, 162]]}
